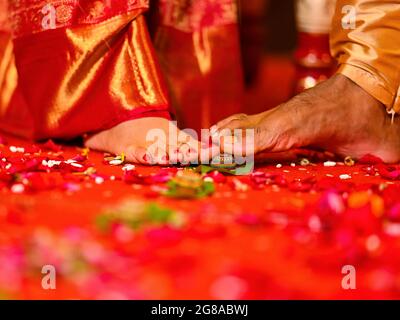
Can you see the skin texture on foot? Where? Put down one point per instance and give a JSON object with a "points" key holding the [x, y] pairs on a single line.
{"points": [[135, 138], [337, 116]]}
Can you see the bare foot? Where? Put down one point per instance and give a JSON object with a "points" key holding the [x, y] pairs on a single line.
{"points": [[336, 115], [147, 141]]}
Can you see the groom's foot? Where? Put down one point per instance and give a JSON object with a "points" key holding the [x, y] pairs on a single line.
{"points": [[336, 115]]}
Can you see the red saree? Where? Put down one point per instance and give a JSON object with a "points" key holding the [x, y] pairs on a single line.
{"points": [[197, 43], [75, 67]]}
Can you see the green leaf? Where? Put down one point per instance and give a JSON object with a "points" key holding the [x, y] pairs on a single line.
{"points": [[158, 214], [103, 222], [208, 189]]}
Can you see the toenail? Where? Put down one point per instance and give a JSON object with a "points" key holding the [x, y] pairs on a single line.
{"points": [[146, 158], [213, 130]]}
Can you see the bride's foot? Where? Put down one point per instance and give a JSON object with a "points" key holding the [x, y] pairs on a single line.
{"points": [[147, 141]]}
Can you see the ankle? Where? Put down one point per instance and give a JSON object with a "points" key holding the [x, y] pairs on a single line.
{"points": [[358, 96]]}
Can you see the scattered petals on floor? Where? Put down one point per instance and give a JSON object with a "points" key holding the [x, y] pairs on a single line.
{"points": [[115, 230]]}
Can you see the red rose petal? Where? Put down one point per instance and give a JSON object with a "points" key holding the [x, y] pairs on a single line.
{"points": [[332, 183], [260, 179], [51, 146], [38, 181], [32, 149], [391, 195], [371, 170], [370, 159], [3, 141], [362, 220], [133, 177], [389, 172], [80, 158], [217, 176], [394, 213], [302, 185]]}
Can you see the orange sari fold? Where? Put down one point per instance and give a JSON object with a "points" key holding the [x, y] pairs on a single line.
{"points": [[80, 75], [73, 67], [197, 42]]}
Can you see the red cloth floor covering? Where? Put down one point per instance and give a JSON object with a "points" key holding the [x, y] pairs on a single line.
{"points": [[278, 233]]}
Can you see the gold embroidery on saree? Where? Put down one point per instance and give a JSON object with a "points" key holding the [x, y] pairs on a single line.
{"points": [[27, 15], [194, 15]]}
